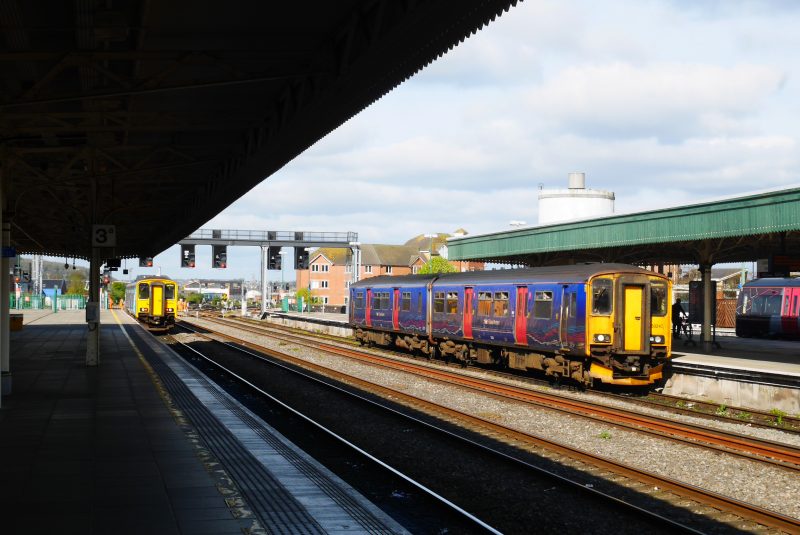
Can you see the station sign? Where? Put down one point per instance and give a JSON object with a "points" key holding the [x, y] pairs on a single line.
{"points": [[104, 236]]}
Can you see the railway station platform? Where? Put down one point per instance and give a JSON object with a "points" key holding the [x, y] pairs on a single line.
{"points": [[143, 443]]}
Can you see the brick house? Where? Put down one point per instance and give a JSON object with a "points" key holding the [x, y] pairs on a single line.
{"points": [[330, 269]]}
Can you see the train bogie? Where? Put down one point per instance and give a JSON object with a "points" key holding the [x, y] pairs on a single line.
{"points": [[605, 322]]}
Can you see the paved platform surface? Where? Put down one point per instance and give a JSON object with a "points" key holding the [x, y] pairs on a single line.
{"points": [[114, 448]]}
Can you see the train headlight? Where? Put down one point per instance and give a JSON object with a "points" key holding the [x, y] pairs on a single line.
{"points": [[657, 339], [170, 310], [144, 309], [603, 338]]}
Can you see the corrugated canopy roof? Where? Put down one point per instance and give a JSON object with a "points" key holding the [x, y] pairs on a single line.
{"points": [[727, 230]]}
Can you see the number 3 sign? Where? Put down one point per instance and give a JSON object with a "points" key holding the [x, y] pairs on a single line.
{"points": [[104, 236]]}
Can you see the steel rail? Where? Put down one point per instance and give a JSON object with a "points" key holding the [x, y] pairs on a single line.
{"points": [[782, 455], [424, 405], [718, 501]]}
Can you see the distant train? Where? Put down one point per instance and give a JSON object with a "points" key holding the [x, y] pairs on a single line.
{"points": [[591, 322], [769, 307], [153, 301]]}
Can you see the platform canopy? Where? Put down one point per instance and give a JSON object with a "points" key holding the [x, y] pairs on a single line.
{"points": [[734, 229], [155, 116]]}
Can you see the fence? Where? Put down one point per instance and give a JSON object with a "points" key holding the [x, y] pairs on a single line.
{"points": [[40, 302]]}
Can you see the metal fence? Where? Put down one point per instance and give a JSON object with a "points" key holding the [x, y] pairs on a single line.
{"points": [[272, 235], [42, 302]]}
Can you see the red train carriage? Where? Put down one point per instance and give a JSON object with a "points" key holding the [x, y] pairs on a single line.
{"points": [[769, 307]]}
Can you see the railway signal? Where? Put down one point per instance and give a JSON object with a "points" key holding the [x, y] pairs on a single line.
{"points": [[187, 256], [300, 258], [146, 261], [274, 260], [220, 256]]}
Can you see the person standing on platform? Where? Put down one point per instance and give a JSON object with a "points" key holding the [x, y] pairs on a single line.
{"points": [[677, 318]]}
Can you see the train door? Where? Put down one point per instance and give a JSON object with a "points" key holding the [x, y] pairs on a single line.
{"points": [[469, 294], [368, 310], [633, 310], [396, 310], [569, 316], [157, 300], [521, 316]]}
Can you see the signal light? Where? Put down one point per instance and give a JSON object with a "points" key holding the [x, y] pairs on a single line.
{"points": [[274, 260], [187, 256], [300, 258], [220, 256], [146, 261]]}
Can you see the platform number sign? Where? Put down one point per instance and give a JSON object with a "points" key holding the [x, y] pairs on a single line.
{"points": [[104, 236]]}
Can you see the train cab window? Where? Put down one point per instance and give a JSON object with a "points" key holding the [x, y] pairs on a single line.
{"points": [[438, 302], [767, 303], [484, 303], [601, 296], [406, 302], [169, 291], [500, 304], [543, 305], [452, 302], [144, 291], [658, 299]]}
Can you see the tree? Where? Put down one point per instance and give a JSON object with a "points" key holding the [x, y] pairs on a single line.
{"points": [[194, 297], [117, 291], [76, 283], [437, 264]]}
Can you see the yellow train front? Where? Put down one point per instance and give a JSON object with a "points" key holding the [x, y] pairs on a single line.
{"points": [[153, 301]]}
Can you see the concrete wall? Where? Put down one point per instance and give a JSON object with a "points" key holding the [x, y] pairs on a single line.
{"points": [[334, 330], [735, 393]]}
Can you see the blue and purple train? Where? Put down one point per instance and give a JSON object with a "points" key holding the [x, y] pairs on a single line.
{"points": [[608, 323]]}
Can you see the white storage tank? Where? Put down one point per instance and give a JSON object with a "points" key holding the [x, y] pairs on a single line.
{"points": [[576, 202]]}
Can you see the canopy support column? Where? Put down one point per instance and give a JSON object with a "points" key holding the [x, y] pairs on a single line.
{"points": [[5, 348], [708, 300]]}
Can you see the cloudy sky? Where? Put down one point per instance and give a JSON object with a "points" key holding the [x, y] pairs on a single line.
{"points": [[662, 102]]}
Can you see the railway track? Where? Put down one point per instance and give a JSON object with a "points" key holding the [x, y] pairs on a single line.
{"points": [[790, 459], [652, 399], [750, 447], [466, 449]]}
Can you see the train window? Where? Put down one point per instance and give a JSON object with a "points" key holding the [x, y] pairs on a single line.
{"points": [[376, 301], [406, 302], [786, 305], [452, 302], [419, 304], [543, 305], [484, 303], [658, 299], [573, 305], [601, 296], [144, 291], [386, 301], [359, 301], [500, 305], [438, 302], [169, 291]]}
